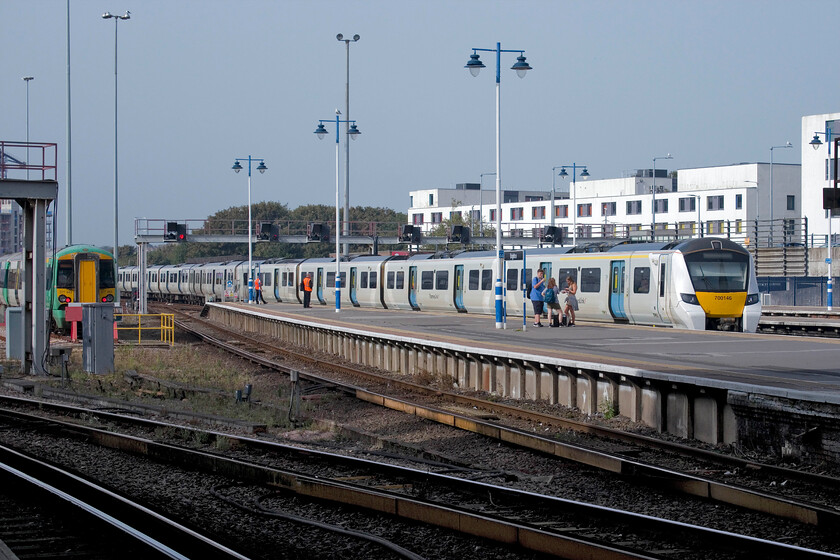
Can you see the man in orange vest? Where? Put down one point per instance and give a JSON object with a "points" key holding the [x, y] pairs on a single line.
{"points": [[258, 291], [307, 289]]}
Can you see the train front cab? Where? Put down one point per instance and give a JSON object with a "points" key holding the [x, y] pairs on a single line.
{"points": [[81, 277], [722, 286]]}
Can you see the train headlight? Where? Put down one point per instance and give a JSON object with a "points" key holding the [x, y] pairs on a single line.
{"points": [[752, 299], [109, 298], [62, 298], [690, 298]]}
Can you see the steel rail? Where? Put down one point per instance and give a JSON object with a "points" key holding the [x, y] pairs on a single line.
{"points": [[470, 522], [677, 481], [171, 540]]}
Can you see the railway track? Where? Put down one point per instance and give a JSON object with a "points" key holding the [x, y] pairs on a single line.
{"points": [[47, 512], [532, 522], [710, 475]]}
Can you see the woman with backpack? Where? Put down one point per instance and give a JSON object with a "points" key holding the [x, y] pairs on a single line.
{"points": [[550, 297]]}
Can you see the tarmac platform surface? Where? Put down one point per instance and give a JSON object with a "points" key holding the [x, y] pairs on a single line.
{"points": [[787, 363]]}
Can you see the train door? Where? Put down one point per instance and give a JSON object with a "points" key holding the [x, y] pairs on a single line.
{"points": [[86, 287], [412, 287], [617, 291], [459, 288], [353, 299], [277, 284], [663, 293], [546, 266], [319, 284]]}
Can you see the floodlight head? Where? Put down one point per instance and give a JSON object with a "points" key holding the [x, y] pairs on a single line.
{"points": [[340, 37]]}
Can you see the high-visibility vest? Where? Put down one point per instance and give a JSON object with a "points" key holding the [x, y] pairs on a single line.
{"points": [[307, 284]]}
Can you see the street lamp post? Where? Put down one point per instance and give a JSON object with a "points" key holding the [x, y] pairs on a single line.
{"points": [[116, 18], [27, 79], [352, 132], [786, 145], [481, 202], [653, 190], [261, 168], [816, 143], [474, 65], [585, 175], [346, 231]]}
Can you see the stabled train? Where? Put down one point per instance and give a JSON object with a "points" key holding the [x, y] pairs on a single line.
{"points": [[701, 284]]}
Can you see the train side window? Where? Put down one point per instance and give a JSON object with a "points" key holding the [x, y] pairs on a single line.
{"points": [[473, 280], [513, 279], [283, 277], [486, 280], [400, 279], [427, 280], [564, 273], [442, 280], [267, 281], [590, 280], [330, 279], [363, 279], [389, 281], [641, 280], [372, 283]]}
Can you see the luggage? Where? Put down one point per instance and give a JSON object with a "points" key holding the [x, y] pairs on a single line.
{"points": [[555, 320]]}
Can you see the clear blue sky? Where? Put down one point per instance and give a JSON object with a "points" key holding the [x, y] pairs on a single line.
{"points": [[614, 84]]}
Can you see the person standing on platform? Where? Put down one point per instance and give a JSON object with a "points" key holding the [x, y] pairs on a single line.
{"points": [[571, 301], [537, 287], [307, 289], [550, 296], [258, 290]]}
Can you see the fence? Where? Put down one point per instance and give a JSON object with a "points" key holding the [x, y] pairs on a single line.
{"points": [[795, 290], [155, 325]]}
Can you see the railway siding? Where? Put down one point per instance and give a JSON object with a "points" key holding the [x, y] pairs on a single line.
{"points": [[777, 419]]}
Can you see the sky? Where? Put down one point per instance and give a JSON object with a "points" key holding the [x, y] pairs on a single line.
{"points": [[614, 84]]}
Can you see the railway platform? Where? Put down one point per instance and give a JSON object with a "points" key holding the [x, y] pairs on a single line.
{"points": [[756, 390]]}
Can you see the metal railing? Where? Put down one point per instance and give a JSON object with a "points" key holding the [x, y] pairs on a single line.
{"points": [[162, 323]]}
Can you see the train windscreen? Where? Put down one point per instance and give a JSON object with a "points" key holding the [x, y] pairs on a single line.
{"points": [[718, 271], [106, 274], [65, 277]]}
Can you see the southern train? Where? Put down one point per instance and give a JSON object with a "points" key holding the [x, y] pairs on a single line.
{"points": [[700, 284], [77, 273]]}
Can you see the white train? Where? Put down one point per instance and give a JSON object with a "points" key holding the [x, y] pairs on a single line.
{"points": [[701, 284]]}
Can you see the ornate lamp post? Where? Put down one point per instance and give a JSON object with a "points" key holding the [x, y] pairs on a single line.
{"points": [[261, 168], [474, 65], [584, 175], [653, 190]]}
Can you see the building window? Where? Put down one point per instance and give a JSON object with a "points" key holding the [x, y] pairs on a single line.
{"points": [[561, 211], [714, 226], [686, 228], [411, 202], [437, 217], [634, 207], [538, 213], [431, 200], [739, 201], [533, 198], [456, 215], [608, 209], [492, 214], [517, 213], [714, 202], [475, 215], [791, 202], [417, 219], [739, 226], [584, 210], [688, 204], [661, 206]]}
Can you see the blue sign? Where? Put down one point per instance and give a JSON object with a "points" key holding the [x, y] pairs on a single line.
{"points": [[828, 260]]}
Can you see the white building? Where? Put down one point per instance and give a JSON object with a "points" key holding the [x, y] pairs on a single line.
{"points": [[727, 200], [818, 172]]}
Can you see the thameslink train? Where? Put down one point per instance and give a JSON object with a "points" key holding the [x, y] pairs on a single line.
{"points": [[700, 284]]}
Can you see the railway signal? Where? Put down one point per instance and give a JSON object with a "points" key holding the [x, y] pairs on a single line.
{"points": [[269, 231], [176, 232]]}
